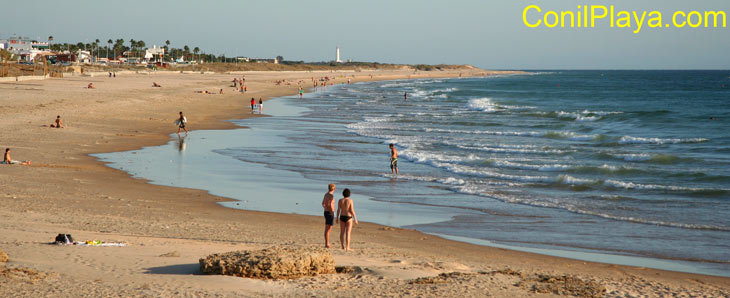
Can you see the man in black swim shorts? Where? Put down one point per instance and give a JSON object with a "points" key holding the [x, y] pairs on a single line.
{"points": [[328, 203]]}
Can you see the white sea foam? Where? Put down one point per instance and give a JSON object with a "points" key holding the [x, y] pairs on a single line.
{"points": [[447, 180], [451, 181], [541, 168], [649, 221], [470, 188], [639, 140], [482, 104], [570, 180], [569, 135], [634, 157], [485, 104], [631, 185], [512, 150], [471, 171], [487, 132], [430, 157]]}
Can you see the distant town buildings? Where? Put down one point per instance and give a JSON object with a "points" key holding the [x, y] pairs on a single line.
{"points": [[25, 48], [264, 60]]}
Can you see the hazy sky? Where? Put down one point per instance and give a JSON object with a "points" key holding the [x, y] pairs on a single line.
{"points": [[485, 33]]}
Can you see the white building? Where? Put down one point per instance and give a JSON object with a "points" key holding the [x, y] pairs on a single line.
{"points": [[154, 52], [337, 56], [83, 56]]}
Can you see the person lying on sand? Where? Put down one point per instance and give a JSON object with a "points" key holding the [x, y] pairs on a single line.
{"points": [[154, 84], [9, 160], [59, 122], [91, 86]]}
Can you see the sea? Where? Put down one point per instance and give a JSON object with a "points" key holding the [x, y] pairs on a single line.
{"points": [[627, 167]]}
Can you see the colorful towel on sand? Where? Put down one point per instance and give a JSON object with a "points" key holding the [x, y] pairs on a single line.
{"points": [[94, 243], [99, 243]]}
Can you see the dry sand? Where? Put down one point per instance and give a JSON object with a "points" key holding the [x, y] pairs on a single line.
{"points": [[168, 229]]}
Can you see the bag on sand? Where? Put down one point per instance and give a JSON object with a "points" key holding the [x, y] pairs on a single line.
{"points": [[64, 239]]}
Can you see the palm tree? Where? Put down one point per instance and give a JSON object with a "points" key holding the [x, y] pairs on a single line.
{"points": [[96, 45], [108, 44], [119, 43], [186, 48], [132, 45], [196, 50], [50, 39], [167, 46]]}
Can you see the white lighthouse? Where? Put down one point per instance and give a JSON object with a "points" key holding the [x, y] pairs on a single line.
{"points": [[337, 56]]}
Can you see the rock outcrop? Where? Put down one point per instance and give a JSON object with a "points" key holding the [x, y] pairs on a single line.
{"points": [[270, 263], [3, 257]]}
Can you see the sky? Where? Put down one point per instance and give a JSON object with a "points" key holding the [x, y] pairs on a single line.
{"points": [[486, 33]]}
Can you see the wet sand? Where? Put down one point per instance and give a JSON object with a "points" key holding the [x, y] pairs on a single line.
{"points": [[168, 229]]}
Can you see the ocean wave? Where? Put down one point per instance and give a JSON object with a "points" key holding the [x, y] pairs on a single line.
{"points": [[569, 135], [409, 83], [660, 141], [650, 221], [606, 169], [475, 189], [498, 149], [486, 132], [486, 104], [577, 116], [519, 166], [482, 104], [585, 115], [449, 164], [646, 157], [471, 171], [430, 158], [447, 180]]}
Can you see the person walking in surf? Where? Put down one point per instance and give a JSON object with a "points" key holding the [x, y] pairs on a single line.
{"points": [[181, 122], [393, 159]]}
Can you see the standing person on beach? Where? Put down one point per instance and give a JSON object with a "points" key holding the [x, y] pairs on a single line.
{"points": [[347, 217], [405, 96], [253, 103], [261, 105], [393, 159], [181, 124], [328, 203]]}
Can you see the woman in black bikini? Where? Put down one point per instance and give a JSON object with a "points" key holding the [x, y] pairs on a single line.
{"points": [[345, 212]]}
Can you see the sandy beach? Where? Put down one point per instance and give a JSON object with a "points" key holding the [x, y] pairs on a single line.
{"points": [[168, 229]]}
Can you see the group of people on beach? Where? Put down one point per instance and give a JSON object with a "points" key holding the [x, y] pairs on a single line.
{"points": [[240, 84], [345, 215], [8, 160], [344, 212]]}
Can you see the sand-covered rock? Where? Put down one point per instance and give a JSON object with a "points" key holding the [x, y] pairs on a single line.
{"points": [[3, 257], [270, 263]]}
